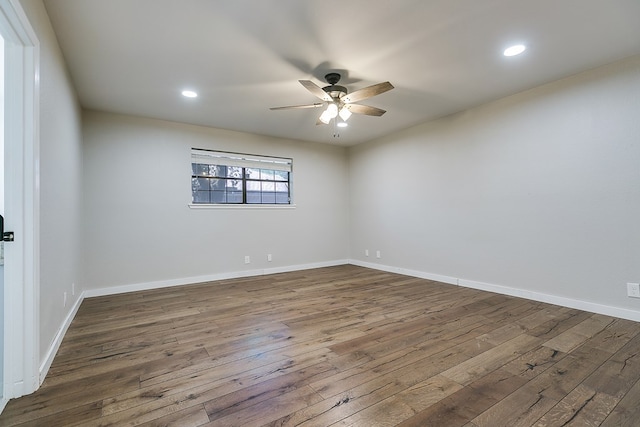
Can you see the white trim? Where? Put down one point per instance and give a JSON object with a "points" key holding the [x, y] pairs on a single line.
{"points": [[591, 307], [254, 161], [299, 267], [134, 287], [57, 340], [240, 206], [398, 270], [21, 323]]}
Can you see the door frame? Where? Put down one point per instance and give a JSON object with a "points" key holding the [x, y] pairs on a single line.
{"points": [[22, 195]]}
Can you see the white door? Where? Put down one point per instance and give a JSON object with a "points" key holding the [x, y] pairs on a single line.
{"points": [[1, 213], [19, 319]]}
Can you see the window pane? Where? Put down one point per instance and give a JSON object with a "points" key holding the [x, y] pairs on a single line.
{"points": [[282, 198], [200, 196], [218, 197], [268, 186], [252, 173], [205, 170], [253, 186], [194, 184], [217, 170], [253, 197], [201, 184], [282, 187], [218, 184], [200, 170], [233, 184], [234, 171], [234, 197], [281, 176], [212, 170], [266, 174], [268, 197]]}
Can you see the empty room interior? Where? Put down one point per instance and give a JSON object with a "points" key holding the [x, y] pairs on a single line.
{"points": [[319, 213]]}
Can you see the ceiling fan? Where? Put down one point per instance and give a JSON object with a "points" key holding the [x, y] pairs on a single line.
{"points": [[338, 101]]}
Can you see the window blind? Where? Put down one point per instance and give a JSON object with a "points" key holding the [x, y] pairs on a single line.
{"points": [[208, 157]]}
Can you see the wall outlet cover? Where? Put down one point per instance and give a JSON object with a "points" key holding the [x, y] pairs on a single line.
{"points": [[633, 290]]}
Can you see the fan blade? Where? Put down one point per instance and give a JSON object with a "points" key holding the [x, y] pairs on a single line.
{"points": [[320, 122], [292, 107], [315, 90], [367, 92], [365, 109]]}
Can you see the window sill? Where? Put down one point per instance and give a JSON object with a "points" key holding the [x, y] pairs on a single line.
{"points": [[238, 206]]}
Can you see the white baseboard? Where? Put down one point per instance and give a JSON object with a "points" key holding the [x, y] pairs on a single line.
{"points": [[57, 340], [134, 287], [413, 273], [3, 403], [301, 267], [591, 307]]}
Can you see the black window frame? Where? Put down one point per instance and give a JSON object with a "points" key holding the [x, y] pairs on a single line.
{"points": [[221, 178]]}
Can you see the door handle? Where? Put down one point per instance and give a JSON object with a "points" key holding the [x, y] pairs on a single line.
{"points": [[7, 236]]}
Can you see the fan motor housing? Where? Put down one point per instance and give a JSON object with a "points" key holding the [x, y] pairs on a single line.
{"points": [[334, 90]]}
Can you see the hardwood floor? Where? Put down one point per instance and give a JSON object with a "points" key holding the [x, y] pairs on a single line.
{"points": [[343, 346]]}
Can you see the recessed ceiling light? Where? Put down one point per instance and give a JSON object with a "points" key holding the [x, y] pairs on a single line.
{"points": [[189, 94], [514, 50]]}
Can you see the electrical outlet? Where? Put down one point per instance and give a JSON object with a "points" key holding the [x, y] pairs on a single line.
{"points": [[73, 289], [633, 290], [378, 254], [366, 252], [64, 299], [247, 259], [269, 257]]}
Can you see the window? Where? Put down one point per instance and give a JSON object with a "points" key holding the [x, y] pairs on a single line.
{"points": [[232, 178]]}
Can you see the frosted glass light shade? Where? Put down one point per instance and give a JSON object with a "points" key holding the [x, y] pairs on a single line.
{"points": [[345, 113], [325, 118], [332, 110]]}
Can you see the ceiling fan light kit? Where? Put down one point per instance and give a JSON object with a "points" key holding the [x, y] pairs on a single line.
{"points": [[339, 102], [345, 113], [332, 110], [325, 118]]}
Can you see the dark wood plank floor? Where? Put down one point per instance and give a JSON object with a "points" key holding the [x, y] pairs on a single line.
{"points": [[344, 346]]}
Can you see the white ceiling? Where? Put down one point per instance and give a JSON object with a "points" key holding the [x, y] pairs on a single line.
{"points": [[244, 56]]}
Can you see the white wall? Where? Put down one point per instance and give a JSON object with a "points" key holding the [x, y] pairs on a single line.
{"points": [[537, 192], [60, 181], [138, 228]]}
